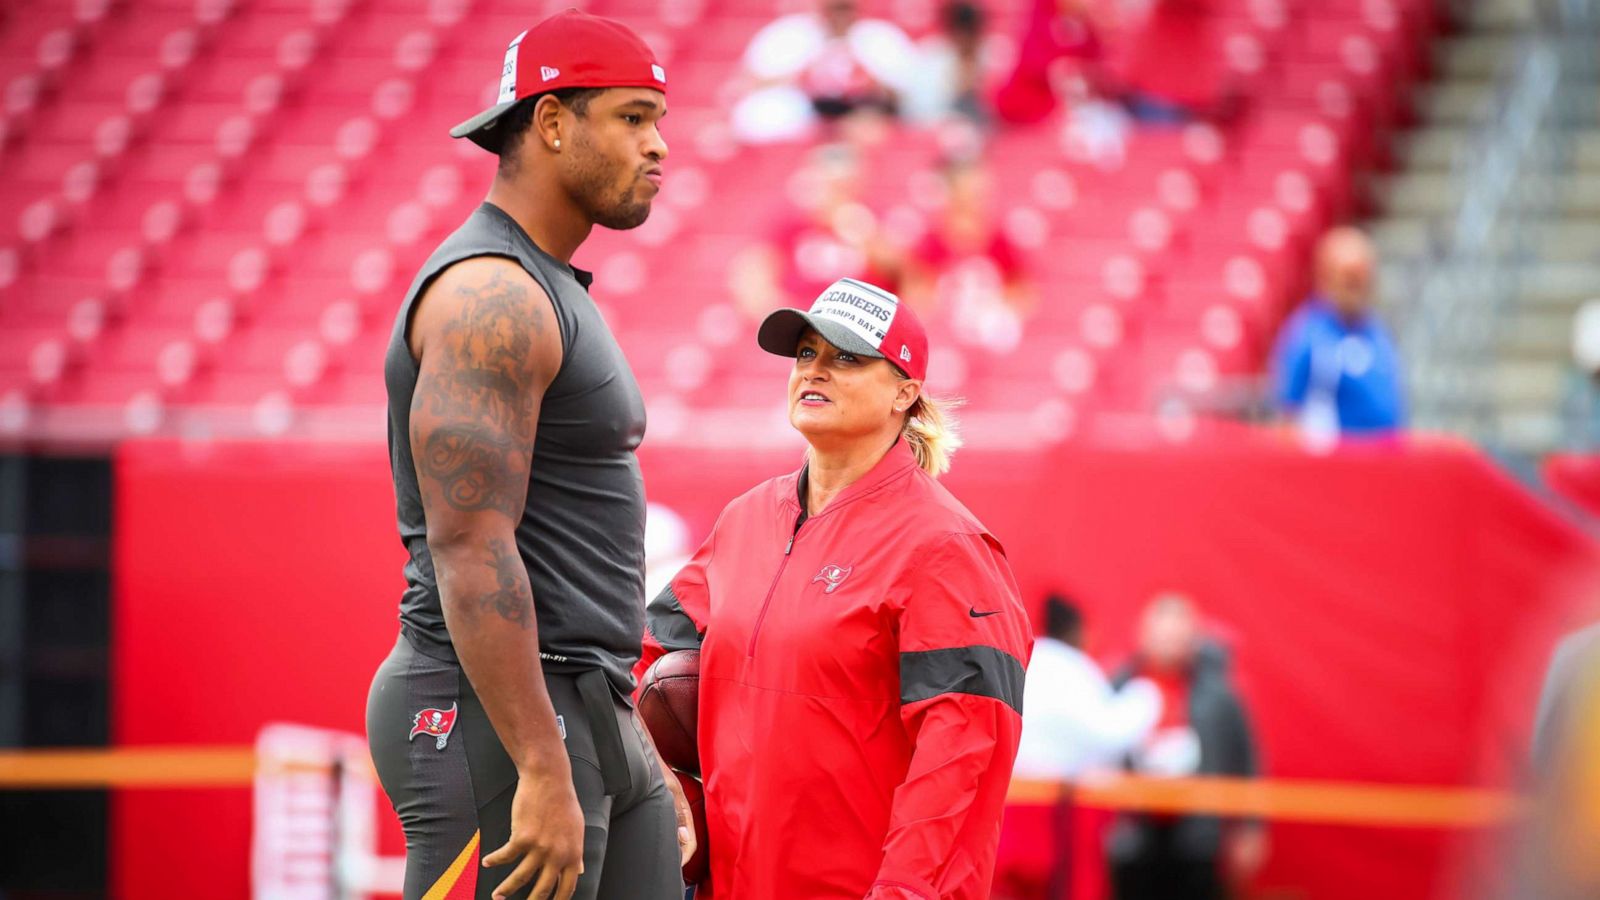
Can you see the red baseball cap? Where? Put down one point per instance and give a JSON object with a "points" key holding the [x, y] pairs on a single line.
{"points": [[571, 49], [857, 318]]}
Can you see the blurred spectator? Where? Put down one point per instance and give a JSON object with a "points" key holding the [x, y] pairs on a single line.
{"points": [[1160, 60], [1582, 394], [1335, 367], [833, 235], [1203, 731], [1073, 723], [1586, 339], [1170, 64], [1060, 42], [951, 69], [822, 66], [966, 266]]}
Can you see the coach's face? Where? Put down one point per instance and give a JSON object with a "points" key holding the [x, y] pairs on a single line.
{"points": [[838, 397], [613, 168]]}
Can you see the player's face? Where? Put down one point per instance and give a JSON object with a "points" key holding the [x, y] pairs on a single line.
{"points": [[614, 167], [837, 397]]}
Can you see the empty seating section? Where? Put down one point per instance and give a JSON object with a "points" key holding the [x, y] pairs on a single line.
{"points": [[221, 203]]}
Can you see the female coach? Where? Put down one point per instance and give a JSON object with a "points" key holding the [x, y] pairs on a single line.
{"points": [[862, 639]]}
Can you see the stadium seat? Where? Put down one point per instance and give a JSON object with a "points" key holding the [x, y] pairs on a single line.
{"points": [[257, 259]]}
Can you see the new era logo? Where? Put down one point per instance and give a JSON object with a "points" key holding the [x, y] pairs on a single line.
{"points": [[548, 74], [659, 73], [905, 353]]}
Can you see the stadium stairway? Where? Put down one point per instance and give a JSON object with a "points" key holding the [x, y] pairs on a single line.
{"points": [[1506, 390]]}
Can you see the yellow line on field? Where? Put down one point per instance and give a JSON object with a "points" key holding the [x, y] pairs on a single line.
{"points": [[128, 767], [1352, 803], [1282, 799]]}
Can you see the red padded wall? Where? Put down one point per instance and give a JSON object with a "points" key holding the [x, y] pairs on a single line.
{"points": [[1378, 603]]}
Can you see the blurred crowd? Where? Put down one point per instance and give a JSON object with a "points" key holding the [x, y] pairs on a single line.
{"points": [[829, 72], [847, 84], [1170, 711]]}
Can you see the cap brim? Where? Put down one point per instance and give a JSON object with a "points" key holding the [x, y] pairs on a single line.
{"points": [[780, 334], [480, 128]]}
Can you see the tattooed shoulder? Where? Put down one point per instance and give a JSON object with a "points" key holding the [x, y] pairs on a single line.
{"points": [[483, 370]]}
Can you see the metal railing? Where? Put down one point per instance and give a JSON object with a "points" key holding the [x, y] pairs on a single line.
{"points": [[1461, 286], [1464, 292]]}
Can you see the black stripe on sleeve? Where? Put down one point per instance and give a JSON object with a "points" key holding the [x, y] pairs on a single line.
{"points": [[671, 626], [983, 671]]}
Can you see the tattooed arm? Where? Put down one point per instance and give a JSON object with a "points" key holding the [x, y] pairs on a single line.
{"points": [[488, 345]]}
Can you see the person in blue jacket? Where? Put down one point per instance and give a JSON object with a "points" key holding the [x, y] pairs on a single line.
{"points": [[1335, 368]]}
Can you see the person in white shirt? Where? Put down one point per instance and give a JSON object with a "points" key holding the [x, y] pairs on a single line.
{"points": [[822, 65], [954, 66], [1073, 722]]}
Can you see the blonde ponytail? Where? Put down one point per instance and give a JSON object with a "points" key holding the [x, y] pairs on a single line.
{"points": [[933, 432]]}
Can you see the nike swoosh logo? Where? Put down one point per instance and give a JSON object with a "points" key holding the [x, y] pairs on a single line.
{"points": [[973, 612]]}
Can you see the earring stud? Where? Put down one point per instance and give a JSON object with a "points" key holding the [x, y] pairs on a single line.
{"points": [[558, 143]]}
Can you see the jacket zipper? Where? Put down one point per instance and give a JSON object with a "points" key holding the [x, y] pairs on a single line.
{"points": [[799, 521]]}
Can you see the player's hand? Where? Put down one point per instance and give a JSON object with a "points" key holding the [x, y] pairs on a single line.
{"points": [[687, 842], [546, 840]]}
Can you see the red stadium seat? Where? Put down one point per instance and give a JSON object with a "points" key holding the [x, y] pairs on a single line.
{"points": [[39, 221], [10, 267], [444, 14], [162, 222], [56, 49], [178, 49], [89, 13], [18, 346], [256, 260], [15, 409]]}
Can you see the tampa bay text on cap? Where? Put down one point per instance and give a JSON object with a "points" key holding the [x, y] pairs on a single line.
{"points": [[858, 318]]}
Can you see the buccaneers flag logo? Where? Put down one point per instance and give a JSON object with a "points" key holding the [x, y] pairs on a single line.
{"points": [[436, 722], [834, 576]]}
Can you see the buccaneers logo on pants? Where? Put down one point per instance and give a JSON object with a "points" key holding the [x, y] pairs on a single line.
{"points": [[436, 722]]}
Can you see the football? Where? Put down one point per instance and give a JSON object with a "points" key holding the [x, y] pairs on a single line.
{"points": [[698, 868], [669, 705]]}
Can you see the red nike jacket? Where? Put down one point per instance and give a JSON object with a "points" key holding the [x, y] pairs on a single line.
{"points": [[860, 689]]}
